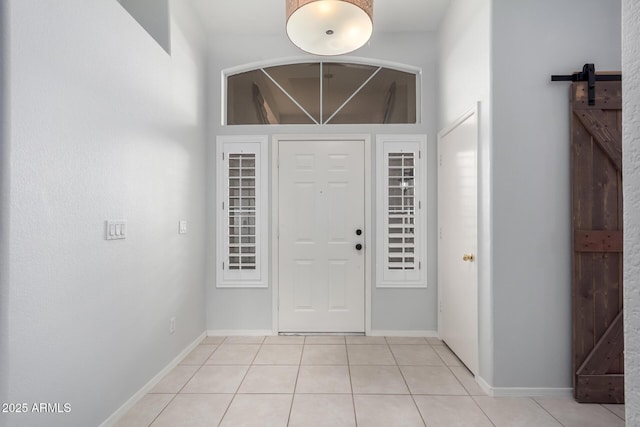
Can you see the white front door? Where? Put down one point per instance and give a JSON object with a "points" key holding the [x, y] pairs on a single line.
{"points": [[321, 222], [457, 243]]}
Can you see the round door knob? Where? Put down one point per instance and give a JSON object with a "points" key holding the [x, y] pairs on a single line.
{"points": [[468, 257], [359, 246]]}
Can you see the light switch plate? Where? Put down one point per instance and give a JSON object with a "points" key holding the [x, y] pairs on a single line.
{"points": [[115, 230], [182, 227]]}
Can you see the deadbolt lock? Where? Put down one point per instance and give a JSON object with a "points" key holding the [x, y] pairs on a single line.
{"points": [[468, 257]]}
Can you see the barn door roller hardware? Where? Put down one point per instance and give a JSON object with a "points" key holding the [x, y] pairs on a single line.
{"points": [[588, 74]]}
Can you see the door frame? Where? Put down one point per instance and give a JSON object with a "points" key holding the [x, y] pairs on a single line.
{"points": [[275, 218]]}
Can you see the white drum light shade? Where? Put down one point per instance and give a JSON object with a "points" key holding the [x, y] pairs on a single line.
{"points": [[329, 27]]}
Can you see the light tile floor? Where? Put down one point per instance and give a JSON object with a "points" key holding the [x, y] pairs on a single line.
{"points": [[341, 381]]}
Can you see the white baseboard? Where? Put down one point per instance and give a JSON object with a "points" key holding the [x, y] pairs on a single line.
{"points": [[532, 392], [239, 332], [119, 413], [484, 385], [269, 332], [386, 333], [523, 391]]}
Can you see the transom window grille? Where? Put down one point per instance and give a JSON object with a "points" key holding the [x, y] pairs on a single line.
{"points": [[401, 222], [322, 93], [242, 211], [242, 185]]}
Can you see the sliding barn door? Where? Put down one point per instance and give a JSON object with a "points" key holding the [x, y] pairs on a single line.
{"points": [[596, 168]]}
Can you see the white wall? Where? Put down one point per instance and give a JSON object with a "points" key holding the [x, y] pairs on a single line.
{"points": [[464, 53], [631, 180], [531, 185], [104, 124], [405, 309]]}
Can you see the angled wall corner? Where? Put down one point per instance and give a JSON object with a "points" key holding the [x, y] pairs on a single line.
{"points": [[464, 43], [153, 16]]}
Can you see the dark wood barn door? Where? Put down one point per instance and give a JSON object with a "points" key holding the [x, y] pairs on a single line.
{"points": [[596, 169]]}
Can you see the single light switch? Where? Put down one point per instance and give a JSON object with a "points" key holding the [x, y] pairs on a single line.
{"points": [[182, 227]]}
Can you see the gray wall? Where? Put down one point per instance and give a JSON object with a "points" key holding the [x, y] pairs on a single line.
{"points": [[464, 60], [531, 187], [103, 125], [631, 180], [402, 309]]}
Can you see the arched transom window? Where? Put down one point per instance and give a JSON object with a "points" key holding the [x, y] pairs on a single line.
{"points": [[321, 93]]}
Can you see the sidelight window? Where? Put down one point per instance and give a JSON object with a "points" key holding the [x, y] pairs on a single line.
{"points": [[401, 227], [242, 211]]}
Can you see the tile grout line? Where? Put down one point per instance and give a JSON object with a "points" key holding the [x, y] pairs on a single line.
{"points": [[353, 399], [295, 386], [613, 411], [482, 410], [453, 366], [545, 409], [183, 386], [241, 381], [457, 379], [406, 384], [163, 409]]}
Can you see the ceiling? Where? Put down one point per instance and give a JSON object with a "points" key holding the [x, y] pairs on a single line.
{"points": [[268, 16]]}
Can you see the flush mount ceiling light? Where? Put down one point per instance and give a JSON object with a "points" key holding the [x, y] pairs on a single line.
{"points": [[329, 27]]}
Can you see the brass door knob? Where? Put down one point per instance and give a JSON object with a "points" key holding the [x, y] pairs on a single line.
{"points": [[468, 257]]}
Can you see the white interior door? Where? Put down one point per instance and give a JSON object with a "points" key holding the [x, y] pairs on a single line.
{"points": [[457, 243], [321, 208]]}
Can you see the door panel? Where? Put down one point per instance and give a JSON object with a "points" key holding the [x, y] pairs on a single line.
{"points": [[457, 222], [321, 204], [596, 170]]}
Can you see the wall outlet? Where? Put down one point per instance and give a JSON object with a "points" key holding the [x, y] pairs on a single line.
{"points": [[172, 325], [182, 227], [115, 230]]}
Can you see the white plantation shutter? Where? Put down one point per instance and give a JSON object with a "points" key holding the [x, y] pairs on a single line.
{"points": [[401, 225], [401, 211], [242, 212]]}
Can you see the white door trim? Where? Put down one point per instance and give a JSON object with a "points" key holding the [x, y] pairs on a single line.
{"points": [[275, 218]]}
